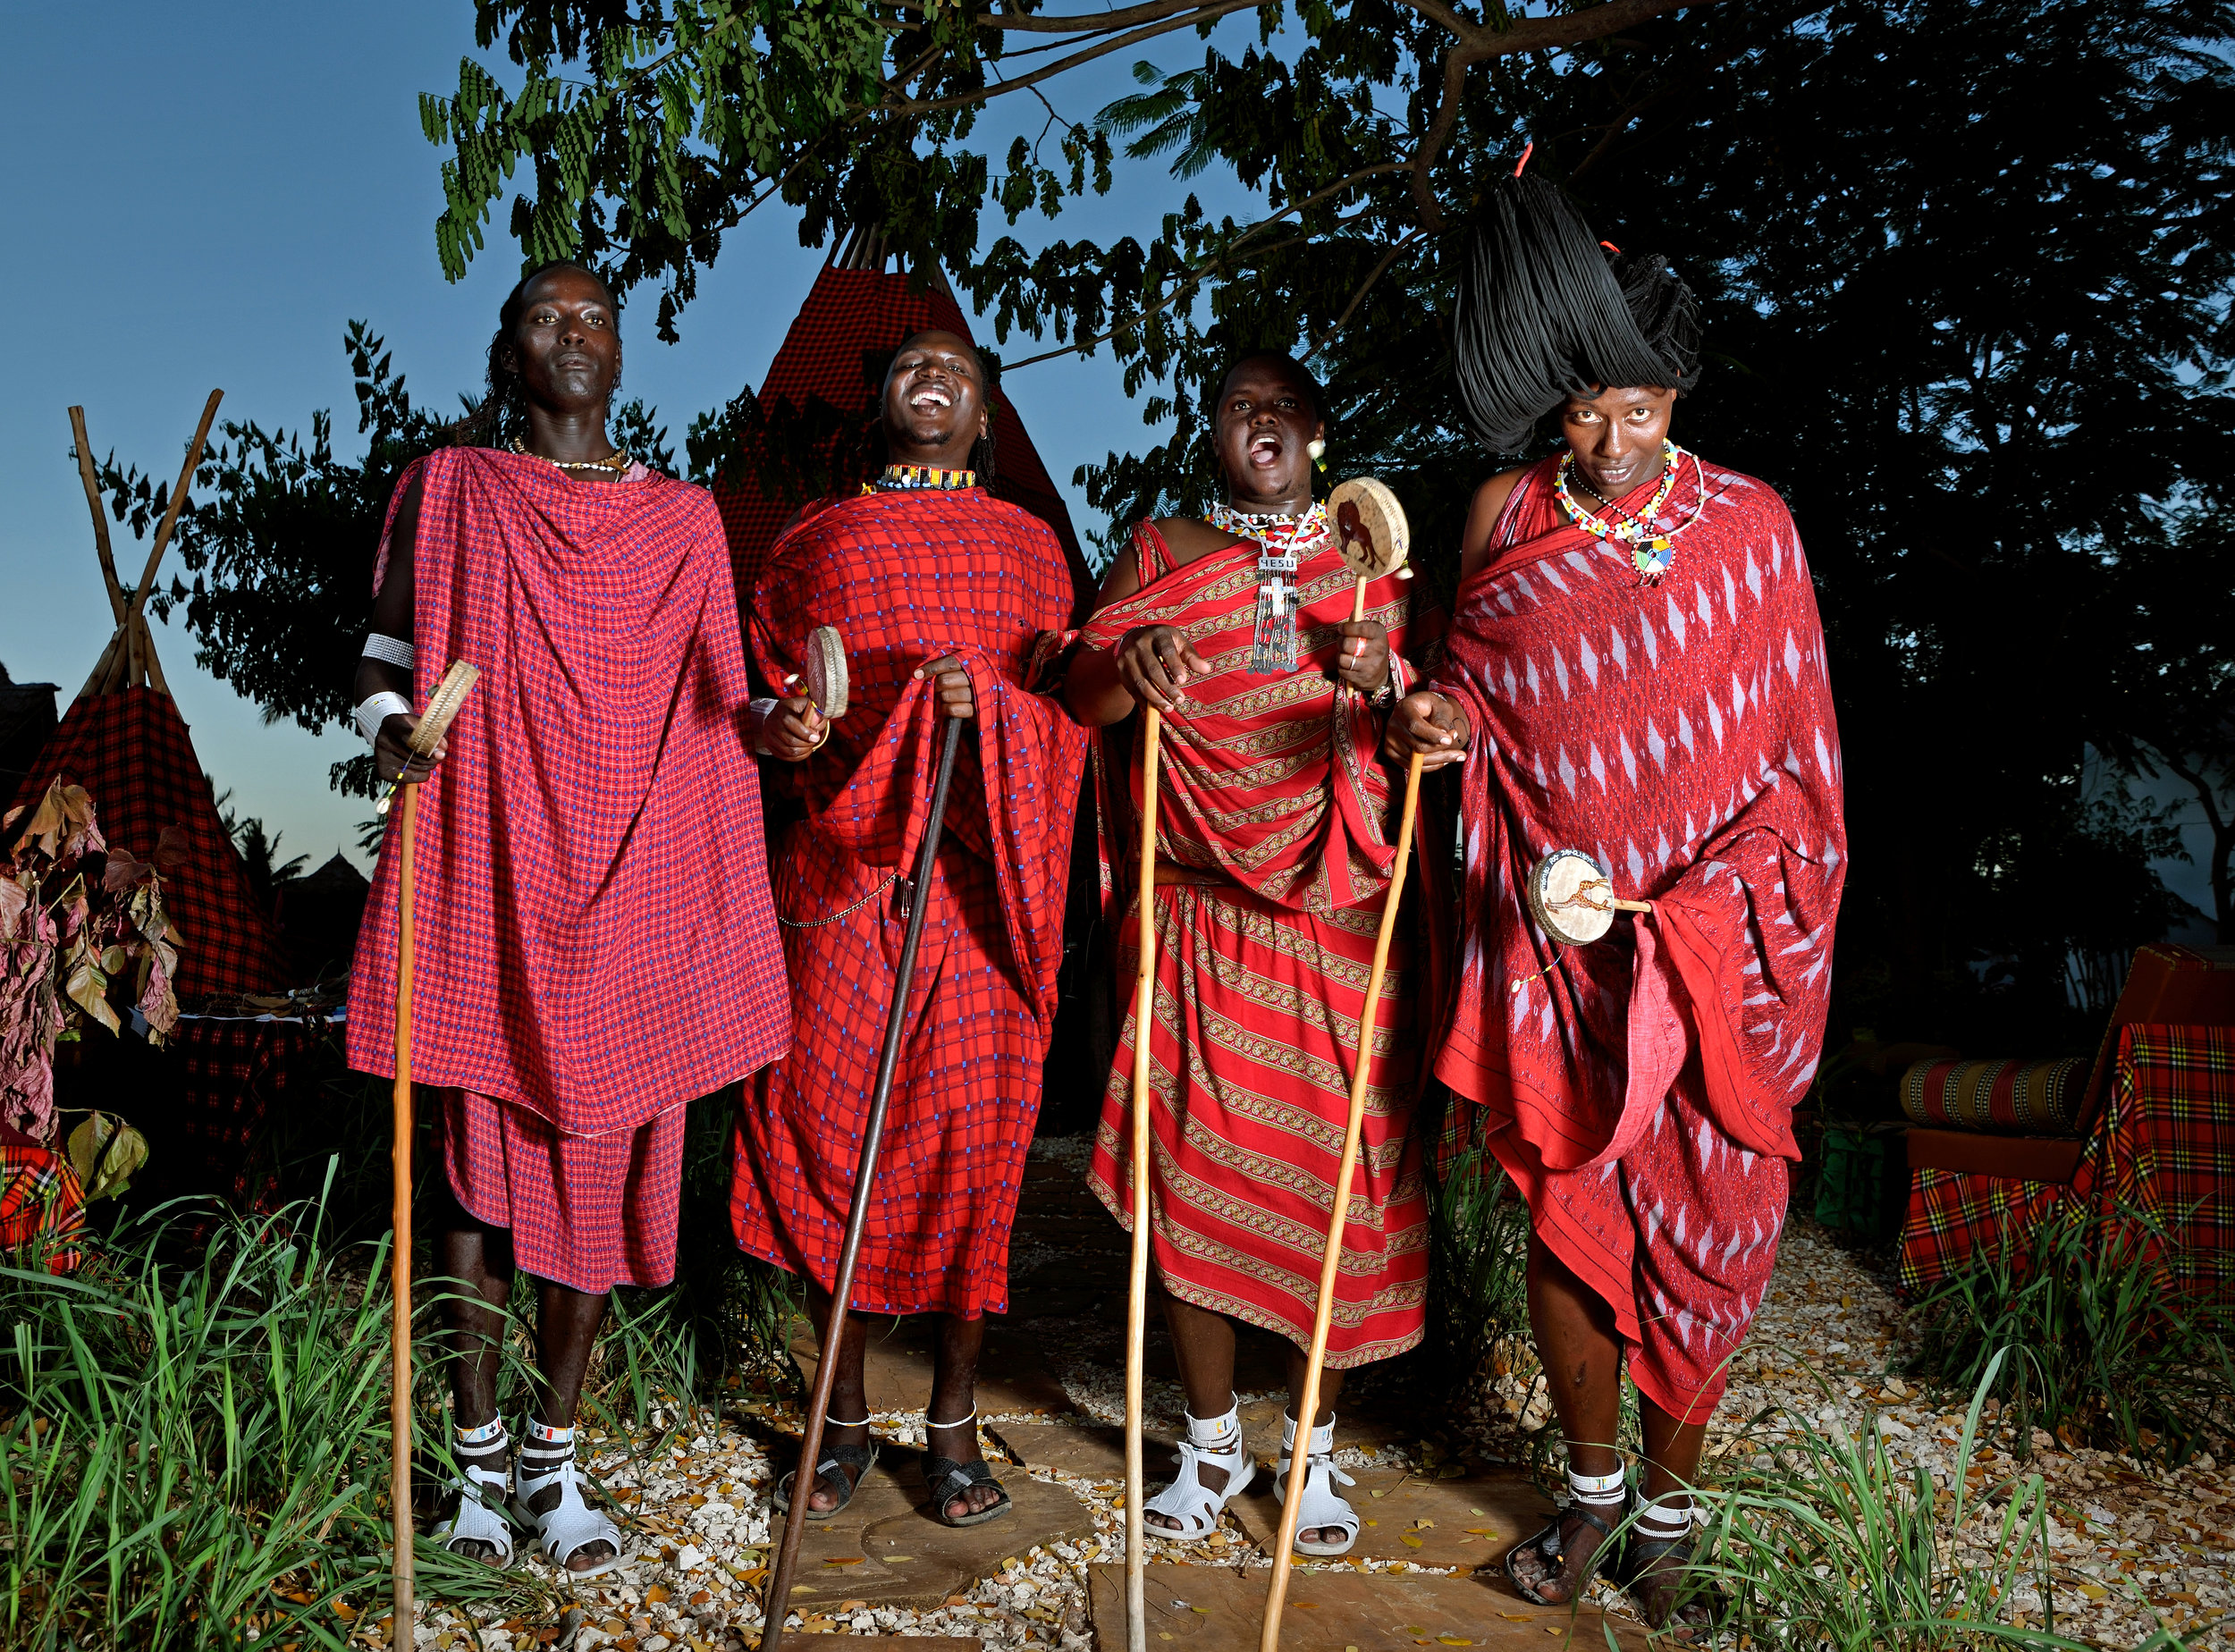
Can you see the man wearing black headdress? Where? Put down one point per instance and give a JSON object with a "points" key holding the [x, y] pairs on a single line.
{"points": [[1635, 672]]}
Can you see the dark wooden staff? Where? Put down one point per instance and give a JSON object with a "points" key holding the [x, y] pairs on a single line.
{"points": [[857, 1214]]}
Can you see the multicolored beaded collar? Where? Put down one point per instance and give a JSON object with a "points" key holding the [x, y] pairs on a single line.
{"points": [[918, 478], [1650, 553], [1281, 541]]}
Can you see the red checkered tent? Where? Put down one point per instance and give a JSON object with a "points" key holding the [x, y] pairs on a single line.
{"points": [[123, 740], [828, 373], [131, 750]]}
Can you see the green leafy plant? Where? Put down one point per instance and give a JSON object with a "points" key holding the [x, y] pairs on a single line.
{"points": [[1817, 1539], [2103, 1350]]}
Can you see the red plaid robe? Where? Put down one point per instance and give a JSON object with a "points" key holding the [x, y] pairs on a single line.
{"points": [[595, 939], [907, 577], [1273, 799], [1641, 1091]]}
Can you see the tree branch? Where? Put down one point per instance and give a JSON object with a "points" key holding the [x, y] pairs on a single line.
{"points": [[1411, 238], [1477, 44], [1196, 15]]}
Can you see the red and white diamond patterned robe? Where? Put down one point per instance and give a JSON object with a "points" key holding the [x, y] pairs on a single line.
{"points": [[1640, 1091]]}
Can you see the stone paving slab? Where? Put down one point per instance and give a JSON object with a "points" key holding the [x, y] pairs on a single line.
{"points": [[1453, 1522], [1094, 1451], [1216, 1609], [885, 1548]]}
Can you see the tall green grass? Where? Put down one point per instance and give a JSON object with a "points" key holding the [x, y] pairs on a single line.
{"points": [[195, 1424], [2104, 1350], [196, 1448], [1477, 1278]]}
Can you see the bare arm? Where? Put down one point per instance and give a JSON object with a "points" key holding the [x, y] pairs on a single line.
{"points": [[1489, 501], [1150, 662]]}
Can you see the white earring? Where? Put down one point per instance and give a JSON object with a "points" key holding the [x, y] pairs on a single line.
{"points": [[1316, 448]]}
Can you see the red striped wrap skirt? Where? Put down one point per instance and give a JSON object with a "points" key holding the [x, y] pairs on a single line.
{"points": [[1255, 1030]]}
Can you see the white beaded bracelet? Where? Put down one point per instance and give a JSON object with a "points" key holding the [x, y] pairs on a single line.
{"points": [[377, 709], [392, 650]]}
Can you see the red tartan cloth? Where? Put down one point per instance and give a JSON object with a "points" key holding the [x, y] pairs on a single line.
{"points": [[1683, 735], [907, 577], [596, 938], [235, 1077], [588, 1212], [41, 1205], [131, 750], [1273, 791], [2164, 1146]]}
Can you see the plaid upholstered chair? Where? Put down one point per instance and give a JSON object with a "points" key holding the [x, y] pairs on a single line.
{"points": [[1997, 1147]]}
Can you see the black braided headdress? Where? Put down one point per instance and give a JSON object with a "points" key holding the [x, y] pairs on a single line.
{"points": [[1544, 314]]}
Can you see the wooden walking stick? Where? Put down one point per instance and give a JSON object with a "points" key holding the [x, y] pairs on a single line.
{"points": [[449, 694], [1137, 1293], [864, 1176], [1374, 538]]}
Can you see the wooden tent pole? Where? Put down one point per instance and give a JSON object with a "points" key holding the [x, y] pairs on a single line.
{"points": [[1361, 1068], [99, 682], [100, 516], [178, 500], [147, 660]]}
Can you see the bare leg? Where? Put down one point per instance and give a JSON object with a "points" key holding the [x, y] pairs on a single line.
{"points": [[1671, 1460], [567, 1323], [955, 1394], [1203, 1343], [1575, 1329], [1330, 1390], [473, 1319], [849, 1398]]}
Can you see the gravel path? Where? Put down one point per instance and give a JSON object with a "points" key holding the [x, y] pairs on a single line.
{"points": [[2132, 1547]]}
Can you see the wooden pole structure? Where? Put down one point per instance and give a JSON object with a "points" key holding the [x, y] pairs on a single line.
{"points": [[1137, 1294], [857, 1213], [1307, 1411], [178, 500], [400, 1327], [84, 445]]}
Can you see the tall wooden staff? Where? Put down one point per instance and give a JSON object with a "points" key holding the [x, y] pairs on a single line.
{"points": [[825, 652], [449, 694], [1137, 1294], [1374, 538]]}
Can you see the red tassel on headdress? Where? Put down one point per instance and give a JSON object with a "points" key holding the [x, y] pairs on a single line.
{"points": [[1527, 149]]}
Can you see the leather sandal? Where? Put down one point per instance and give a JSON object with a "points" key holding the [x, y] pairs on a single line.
{"points": [[1547, 1546], [861, 1459], [950, 1479], [1657, 1571]]}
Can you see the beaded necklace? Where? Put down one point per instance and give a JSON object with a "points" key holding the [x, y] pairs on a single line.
{"points": [[1650, 553], [617, 461], [920, 478], [1281, 542]]}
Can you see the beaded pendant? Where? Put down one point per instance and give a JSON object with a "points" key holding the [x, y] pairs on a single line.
{"points": [[1282, 542], [1649, 553]]}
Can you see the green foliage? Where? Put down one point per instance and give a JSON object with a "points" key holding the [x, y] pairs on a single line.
{"points": [[201, 1448], [1817, 1539], [1477, 1283], [2101, 1350]]}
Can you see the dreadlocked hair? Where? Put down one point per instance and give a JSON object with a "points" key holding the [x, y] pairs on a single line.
{"points": [[1543, 315], [501, 413]]}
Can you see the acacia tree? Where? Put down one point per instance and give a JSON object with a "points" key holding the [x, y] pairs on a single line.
{"points": [[1965, 265], [639, 139]]}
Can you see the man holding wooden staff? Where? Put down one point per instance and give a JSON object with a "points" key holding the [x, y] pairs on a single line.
{"points": [[596, 943], [948, 601], [1635, 672], [1275, 818]]}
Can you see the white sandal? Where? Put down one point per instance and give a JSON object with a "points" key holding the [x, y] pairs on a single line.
{"points": [[484, 1480], [1213, 1442], [571, 1525], [1322, 1507]]}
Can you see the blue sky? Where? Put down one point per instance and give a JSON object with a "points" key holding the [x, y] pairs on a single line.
{"points": [[204, 195]]}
